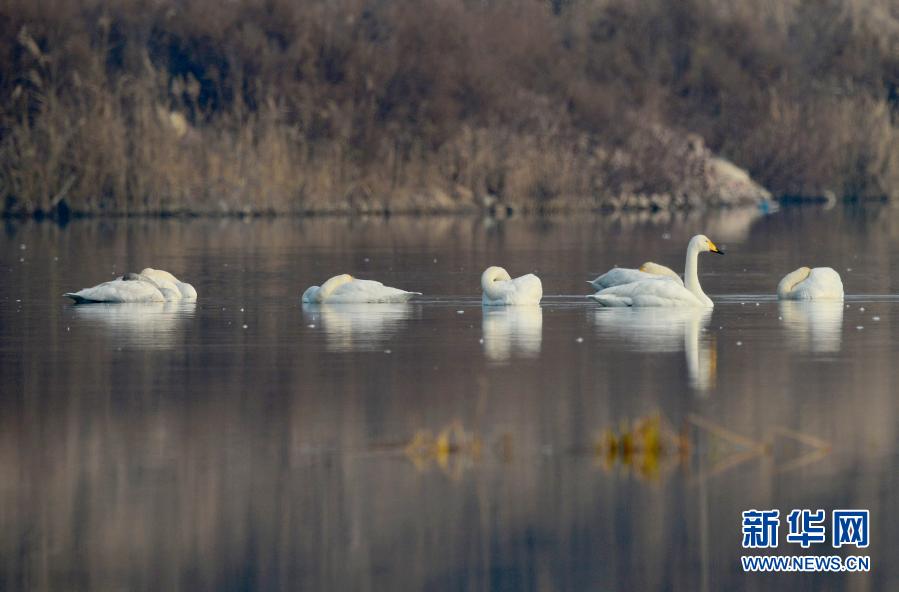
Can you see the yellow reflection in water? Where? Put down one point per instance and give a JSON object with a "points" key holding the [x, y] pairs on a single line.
{"points": [[453, 449]]}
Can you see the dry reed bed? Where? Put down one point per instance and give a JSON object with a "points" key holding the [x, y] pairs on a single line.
{"points": [[141, 106]]}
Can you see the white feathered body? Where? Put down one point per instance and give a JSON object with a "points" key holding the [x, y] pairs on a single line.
{"points": [[820, 283], [655, 291], [119, 291], [150, 285], [347, 289], [657, 285], [622, 275], [500, 290]]}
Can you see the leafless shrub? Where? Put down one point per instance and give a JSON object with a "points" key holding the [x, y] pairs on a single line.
{"points": [[138, 106]]}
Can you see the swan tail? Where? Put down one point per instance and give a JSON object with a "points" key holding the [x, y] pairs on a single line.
{"points": [[77, 297]]}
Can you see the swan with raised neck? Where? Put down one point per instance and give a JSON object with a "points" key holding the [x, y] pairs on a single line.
{"points": [[660, 290], [698, 244]]}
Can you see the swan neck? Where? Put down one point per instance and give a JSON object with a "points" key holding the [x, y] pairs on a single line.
{"points": [[791, 280], [488, 287], [691, 274], [488, 282], [332, 284]]}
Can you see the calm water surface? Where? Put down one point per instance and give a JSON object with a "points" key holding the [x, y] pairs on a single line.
{"points": [[248, 442]]}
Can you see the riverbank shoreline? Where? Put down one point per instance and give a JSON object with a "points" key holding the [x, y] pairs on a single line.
{"points": [[491, 218], [669, 170], [501, 213], [370, 107]]}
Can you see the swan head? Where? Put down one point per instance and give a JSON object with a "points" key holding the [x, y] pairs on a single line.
{"points": [[493, 274], [133, 277], [188, 292], [311, 294], [332, 284], [703, 244]]}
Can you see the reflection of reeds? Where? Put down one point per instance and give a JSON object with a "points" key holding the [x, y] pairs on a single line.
{"points": [[453, 449], [743, 448], [818, 449], [645, 444], [649, 444], [723, 433]]}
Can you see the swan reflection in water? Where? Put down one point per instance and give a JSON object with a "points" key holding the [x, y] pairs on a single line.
{"points": [[813, 326], [663, 330], [144, 324], [357, 327], [512, 331]]}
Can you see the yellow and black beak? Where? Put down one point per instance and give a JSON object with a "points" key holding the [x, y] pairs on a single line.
{"points": [[714, 249]]}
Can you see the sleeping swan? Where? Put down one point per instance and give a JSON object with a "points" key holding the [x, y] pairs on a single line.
{"points": [[820, 283], [345, 288], [662, 290], [621, 275], [150, 285], [500, 289]]}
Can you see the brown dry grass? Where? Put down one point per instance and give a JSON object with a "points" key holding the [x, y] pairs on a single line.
{"points": [[143, 106]]}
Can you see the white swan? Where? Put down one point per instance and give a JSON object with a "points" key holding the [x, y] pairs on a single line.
{"points": [[345, 288], [622, 275], [151, 285], [500, 289], [820, 283], [186, 291], [662, 290]]}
